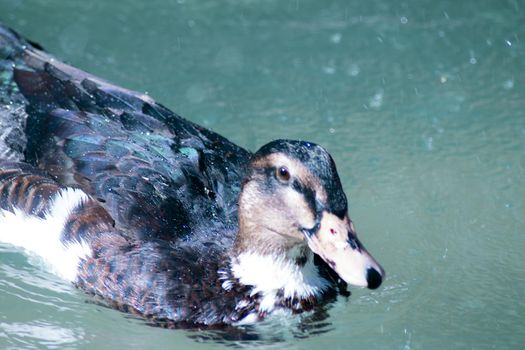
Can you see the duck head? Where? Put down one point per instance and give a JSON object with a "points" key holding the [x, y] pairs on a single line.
{"points": [[292, 201]]}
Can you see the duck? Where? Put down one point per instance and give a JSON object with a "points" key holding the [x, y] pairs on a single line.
{"points": [[154, 215]]}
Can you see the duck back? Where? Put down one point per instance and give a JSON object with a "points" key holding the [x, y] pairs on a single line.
{"points": [[159, 176]]}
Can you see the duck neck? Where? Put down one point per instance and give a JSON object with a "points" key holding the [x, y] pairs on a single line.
{"points": [[274, 265], [279, 278]]}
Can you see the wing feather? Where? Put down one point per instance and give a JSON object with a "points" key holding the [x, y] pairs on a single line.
{"points": [[157, 174]]}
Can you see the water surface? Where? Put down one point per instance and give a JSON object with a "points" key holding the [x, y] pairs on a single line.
{"points": [[421, 103]]}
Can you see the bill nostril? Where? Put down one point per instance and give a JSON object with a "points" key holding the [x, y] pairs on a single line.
{"points": [[373, 278]]}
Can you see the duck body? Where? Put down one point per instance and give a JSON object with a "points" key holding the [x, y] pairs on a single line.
{"points": [[141, 206]]}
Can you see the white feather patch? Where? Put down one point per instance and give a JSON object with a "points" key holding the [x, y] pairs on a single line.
{"points": [[269, 273], [42, 237]]}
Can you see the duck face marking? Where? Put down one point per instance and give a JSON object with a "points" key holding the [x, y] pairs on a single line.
{"points": [[287, 194]]}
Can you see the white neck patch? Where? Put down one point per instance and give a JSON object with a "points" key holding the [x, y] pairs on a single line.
{"points": [[270, 273]]}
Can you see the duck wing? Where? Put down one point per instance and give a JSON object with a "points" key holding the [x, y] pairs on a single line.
{"points": [[171, 285], [158, 175]]}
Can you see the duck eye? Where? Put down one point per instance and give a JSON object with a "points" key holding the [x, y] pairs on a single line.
{"points": [[282, 174]]}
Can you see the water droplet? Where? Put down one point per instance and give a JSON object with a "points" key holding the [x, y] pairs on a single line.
{"points": [[430, 143], [508, 84], [336, 38], [472, 58], [377, 100], [329, 69], [353, 70]]}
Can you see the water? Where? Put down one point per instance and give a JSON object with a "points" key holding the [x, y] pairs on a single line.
{"points": [[421, 104]]}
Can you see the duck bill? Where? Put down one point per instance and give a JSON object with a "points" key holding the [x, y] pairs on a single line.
{"points": [[336, 243]]}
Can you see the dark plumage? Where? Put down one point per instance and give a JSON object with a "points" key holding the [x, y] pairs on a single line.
{"points": [[162, 216]]}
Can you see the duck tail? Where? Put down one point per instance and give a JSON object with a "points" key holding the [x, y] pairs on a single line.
{"points": [[55, 223], [12, 103]]}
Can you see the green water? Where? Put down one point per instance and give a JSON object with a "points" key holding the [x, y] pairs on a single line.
{"points": [[421, 103]]}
